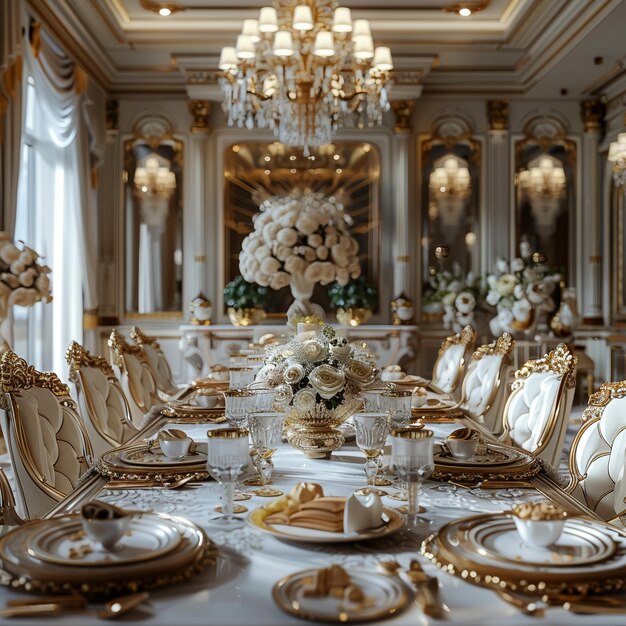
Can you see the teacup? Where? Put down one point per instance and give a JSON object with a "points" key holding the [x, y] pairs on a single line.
{"points": [[107, 532], [176, 449], [539, 524], [462, 448], [207, 401]]}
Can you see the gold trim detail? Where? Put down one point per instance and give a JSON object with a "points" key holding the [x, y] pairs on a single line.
{"points": [[141, 339], [15, 374], [498, 114], [502, 346], [77, 356], [467, 337], [592, 114], [403, 114], [201, 110], [560, 361]]}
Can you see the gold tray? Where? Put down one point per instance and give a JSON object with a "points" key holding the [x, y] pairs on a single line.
{"points": [[192, 414], [24, 572], [447, 549]]}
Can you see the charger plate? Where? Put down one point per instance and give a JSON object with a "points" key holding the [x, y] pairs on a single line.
{"points": [[476, 549], [64, 540], [496, 455], [114, 465], [256, 519], [388, 595], [143, 458], [193, 414], [23, 571]]}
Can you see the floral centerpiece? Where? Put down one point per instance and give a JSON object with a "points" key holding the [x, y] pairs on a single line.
{"points": [[23, 280], [300, 240], [520, 291], [454, 294], [318, 380]]}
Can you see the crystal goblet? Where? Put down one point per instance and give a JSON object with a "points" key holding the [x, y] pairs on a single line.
{"points": [[266, 430], [240, 377], [412, 458], [371, 433], [397, 402], [237, 404], [227, 460]]}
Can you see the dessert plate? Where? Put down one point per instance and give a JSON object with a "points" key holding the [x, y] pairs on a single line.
{"points": [[143, 457], [495, 455], [256, 518], [148, 537], [195, 414], [384, 596]]}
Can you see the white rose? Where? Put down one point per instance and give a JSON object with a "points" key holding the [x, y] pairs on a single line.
{"points": [[294, 264], [314, 350], [261, 253], [502, 266], [505, 285], [493, 297], [537, 293], [270, 231], [306, 224], [464, 320], [465, 302], [294, 373], [313, 273], [284, 395], [322, 253], [305, 399], [270, 265], [517, 265], [360, 372], [505, 319], [327, 380], [287, 236], [448, 299], [279, 280], [288, 219], [521, 310], [518, 292], [314, 240]]}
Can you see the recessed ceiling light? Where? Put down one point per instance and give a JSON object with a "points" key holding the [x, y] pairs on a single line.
{"points": [[465, 12], [164, 11]]}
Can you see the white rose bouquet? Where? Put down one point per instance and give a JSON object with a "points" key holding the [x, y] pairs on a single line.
{"points": [[454, 294], [313, 370], [300, 240], [519, 290], [23, 281]]}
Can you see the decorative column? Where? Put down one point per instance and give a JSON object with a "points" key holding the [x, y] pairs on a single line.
{"points": [[196, 216], [590, 216], [403, 259], [496, 221]]}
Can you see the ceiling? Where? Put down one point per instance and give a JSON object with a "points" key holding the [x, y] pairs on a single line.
{"points": [[529, 48]]}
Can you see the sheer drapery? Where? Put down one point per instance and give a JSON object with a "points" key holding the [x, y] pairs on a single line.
{"points": [[60, 193]]}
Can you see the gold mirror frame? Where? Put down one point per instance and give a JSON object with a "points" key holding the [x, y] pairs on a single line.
{"points": [[618, 254], [353, 179]]}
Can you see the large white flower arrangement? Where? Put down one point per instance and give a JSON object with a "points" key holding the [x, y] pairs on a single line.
{"points": [[519, 290], [313, 370], [23, 281], [300, 240]]}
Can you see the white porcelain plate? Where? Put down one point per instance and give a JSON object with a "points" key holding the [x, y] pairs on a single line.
{"points": [[148, 537], [141, 457], [496, 455], [384, 596]]}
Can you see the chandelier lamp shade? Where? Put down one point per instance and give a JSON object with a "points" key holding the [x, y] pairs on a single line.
{"points": [[304, 68], [617, 158], [543, 181]]}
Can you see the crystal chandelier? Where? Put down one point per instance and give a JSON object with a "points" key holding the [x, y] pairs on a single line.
{"points": [[449, 185], [304, 69], [617, 157], [154, 178]]}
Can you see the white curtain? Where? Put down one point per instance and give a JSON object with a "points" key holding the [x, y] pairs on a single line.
{"points": [[65, 154]]}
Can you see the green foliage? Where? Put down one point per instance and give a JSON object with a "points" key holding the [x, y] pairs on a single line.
{"points": [[240, 294], [358, 293]]}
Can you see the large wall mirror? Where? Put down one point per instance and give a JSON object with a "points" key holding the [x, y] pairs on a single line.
{"points": [[618, 254], [450, 196], [346, 172], [153, 220], [545, 164]]}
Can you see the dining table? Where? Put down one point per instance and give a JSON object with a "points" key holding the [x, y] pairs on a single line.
{"points": [[237, 590]]}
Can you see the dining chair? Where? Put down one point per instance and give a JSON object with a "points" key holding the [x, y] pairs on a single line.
{"points": [[158, 364], [451, 360], [537, 411], [138, 384], [598, 453], [46, 439], [101, 401], [8, 511]]}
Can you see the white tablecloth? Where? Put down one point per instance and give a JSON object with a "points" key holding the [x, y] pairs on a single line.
{"points": [[251, 562]]}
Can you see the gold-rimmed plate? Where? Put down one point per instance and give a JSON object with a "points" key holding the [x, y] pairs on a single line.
{"points": [[579, 544], [495, 455], [143, 457], [64, 540], [384, 596], [195, 414], [256, 519]]}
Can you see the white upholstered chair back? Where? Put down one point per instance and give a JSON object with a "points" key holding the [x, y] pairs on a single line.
{"points": [[598, 453], [101, 401], [484, 375], [48, 445], [450, 363], [537, 411], [135, 376], [157, 363]]}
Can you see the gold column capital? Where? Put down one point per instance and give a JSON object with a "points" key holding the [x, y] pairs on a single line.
{"points": [[498, 114], [403, 113], [200, 109], [592, 114], [112, 111]]}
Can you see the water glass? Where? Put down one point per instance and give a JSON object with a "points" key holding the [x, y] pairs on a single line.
{"points": [[263, 400], [372, 400], [397, 402], [240, 377], [238, 360], [237, 404], [371, 433], [227, 461], [412, 459], [266, 431]]}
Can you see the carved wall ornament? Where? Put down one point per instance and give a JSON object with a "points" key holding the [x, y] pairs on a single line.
{"points": [[403, 112], [498, 114], [592, 114], [153, 129], [200, 109]]}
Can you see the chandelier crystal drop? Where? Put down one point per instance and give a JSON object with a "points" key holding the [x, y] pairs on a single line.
{"points": [[617, 158], [304, 69]]}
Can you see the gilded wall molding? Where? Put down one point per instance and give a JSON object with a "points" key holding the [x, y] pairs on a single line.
{"points": [[592, 115], [200, 110], [498, 115], [403, 113]]}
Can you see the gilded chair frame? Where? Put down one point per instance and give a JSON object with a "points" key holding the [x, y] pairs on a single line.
{"points": [[559, 361], [467, 338], [78, 357], [15, 375], [596, 405], [8, 511]]}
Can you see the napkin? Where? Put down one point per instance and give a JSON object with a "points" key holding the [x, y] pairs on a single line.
{"points": [[362, 512], [96, 509]]}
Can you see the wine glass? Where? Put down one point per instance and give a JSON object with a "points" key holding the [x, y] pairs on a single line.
{"points": [[237, 405], [412, 458], [371, 433], [397, 402], [372, 400], [227, 461], [262, 400], [240, 377], [266, 430]]}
